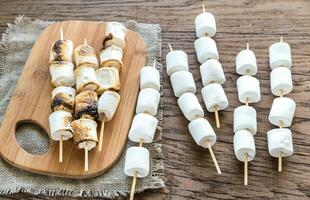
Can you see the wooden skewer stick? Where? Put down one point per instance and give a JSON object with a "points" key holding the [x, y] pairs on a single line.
{"points": [[203, 8], [217, 119], [86, 158], [101, 135], [280, 163], [154, 64], [170, 47], [213, 158], [85, 41], [60, 148], [247, 46], [247, 101], [61, 34], [134, 180], [281, 39], [245, 169]]}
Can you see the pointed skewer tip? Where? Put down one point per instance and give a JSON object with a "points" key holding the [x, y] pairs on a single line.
{"points": [[203, 8], [154, 64], [170, 47], [247, 46], [85, 41], [61, 34]]}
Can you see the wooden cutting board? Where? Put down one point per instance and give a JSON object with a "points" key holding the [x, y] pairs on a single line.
{"points": [[31, 100]]}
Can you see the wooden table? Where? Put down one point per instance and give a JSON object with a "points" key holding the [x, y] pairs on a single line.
{"points": [[189, 171]]}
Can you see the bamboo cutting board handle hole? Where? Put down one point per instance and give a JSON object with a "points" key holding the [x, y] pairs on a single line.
{"points": [[32, 138]]}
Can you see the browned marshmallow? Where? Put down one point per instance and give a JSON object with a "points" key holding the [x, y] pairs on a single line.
{"points": [[61, 50], [85, 54], [86, 104]]}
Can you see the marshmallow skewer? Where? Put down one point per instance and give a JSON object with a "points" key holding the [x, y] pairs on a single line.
{"points": [[61, 140]]}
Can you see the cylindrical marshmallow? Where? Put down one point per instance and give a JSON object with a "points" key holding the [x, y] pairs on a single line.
{"points": [[62, 74], [281, 81], [60, 125], [143, 127], [212, 72], [280, 55], [85, 133], [205, 25], [111, 57], [245, 119], [107, 105], [190, 106], [148, 101], [214, 97], [280, 142], [244, 144], [176, 61], [137, 160], [86, 79], [108, 79], [149, 78], [85, 54], [63, 98], [248, 89], [246, 63], [202, 132], [182, 82], [282, 111], [61, 50], [86, 104], [115, 34], [206, 49]]}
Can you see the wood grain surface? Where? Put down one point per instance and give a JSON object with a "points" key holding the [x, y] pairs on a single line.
{"points": [[189, 172]]}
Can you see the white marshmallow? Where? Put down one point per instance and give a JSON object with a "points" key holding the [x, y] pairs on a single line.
{"points": [[282, 111], [65, 90], [62, 74], [108, 79], [281, 81], [280, 55], [143, 127], [60, 125], [246, 63], [176, 61], [245, 119], [280, 142], [85, 133], [86, 79], [202, 132], [148, 101], [206, 49], [182, 82], [248, 89], [214, 96], [212, 72], [111, 57], [107, 105], [149, 78], [190, 106], [244, 144], [205, 25], [118, 33], [137, 160]]}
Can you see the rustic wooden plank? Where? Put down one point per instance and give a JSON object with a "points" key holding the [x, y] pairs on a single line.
{"points": [[189, 173]]}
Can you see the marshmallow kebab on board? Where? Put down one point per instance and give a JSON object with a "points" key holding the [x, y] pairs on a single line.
{"points": [[184, 88], [210, 69], [86, 102], [282, 111], [108, 74], [143, 126], [63, 95], [245, 125]]}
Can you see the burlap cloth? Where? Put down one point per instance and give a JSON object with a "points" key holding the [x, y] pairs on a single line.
{"points": [[15, 47]]}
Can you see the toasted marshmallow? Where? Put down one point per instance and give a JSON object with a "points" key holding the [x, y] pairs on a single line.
{"points": [[148, 101], [212, 72], [111, 57], [248, 89], [86, 104], [280, 142], [176, 61], [85, 55], [86, 79], [190, 106], [115, 34], [60, 125], [137, 160], [108, 79], [182, 82], [245, 119], [244, 144], [107, 105], [214, 97], [202, 132], [281, 81], [63, 98], [61, 50], [85, 133], [143, 128], [282, 111], [205, 25], [62, 74], [149, 78]]}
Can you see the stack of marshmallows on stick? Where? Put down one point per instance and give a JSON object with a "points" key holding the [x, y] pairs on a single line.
{"points": [[144, 125], [97, 85]]}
